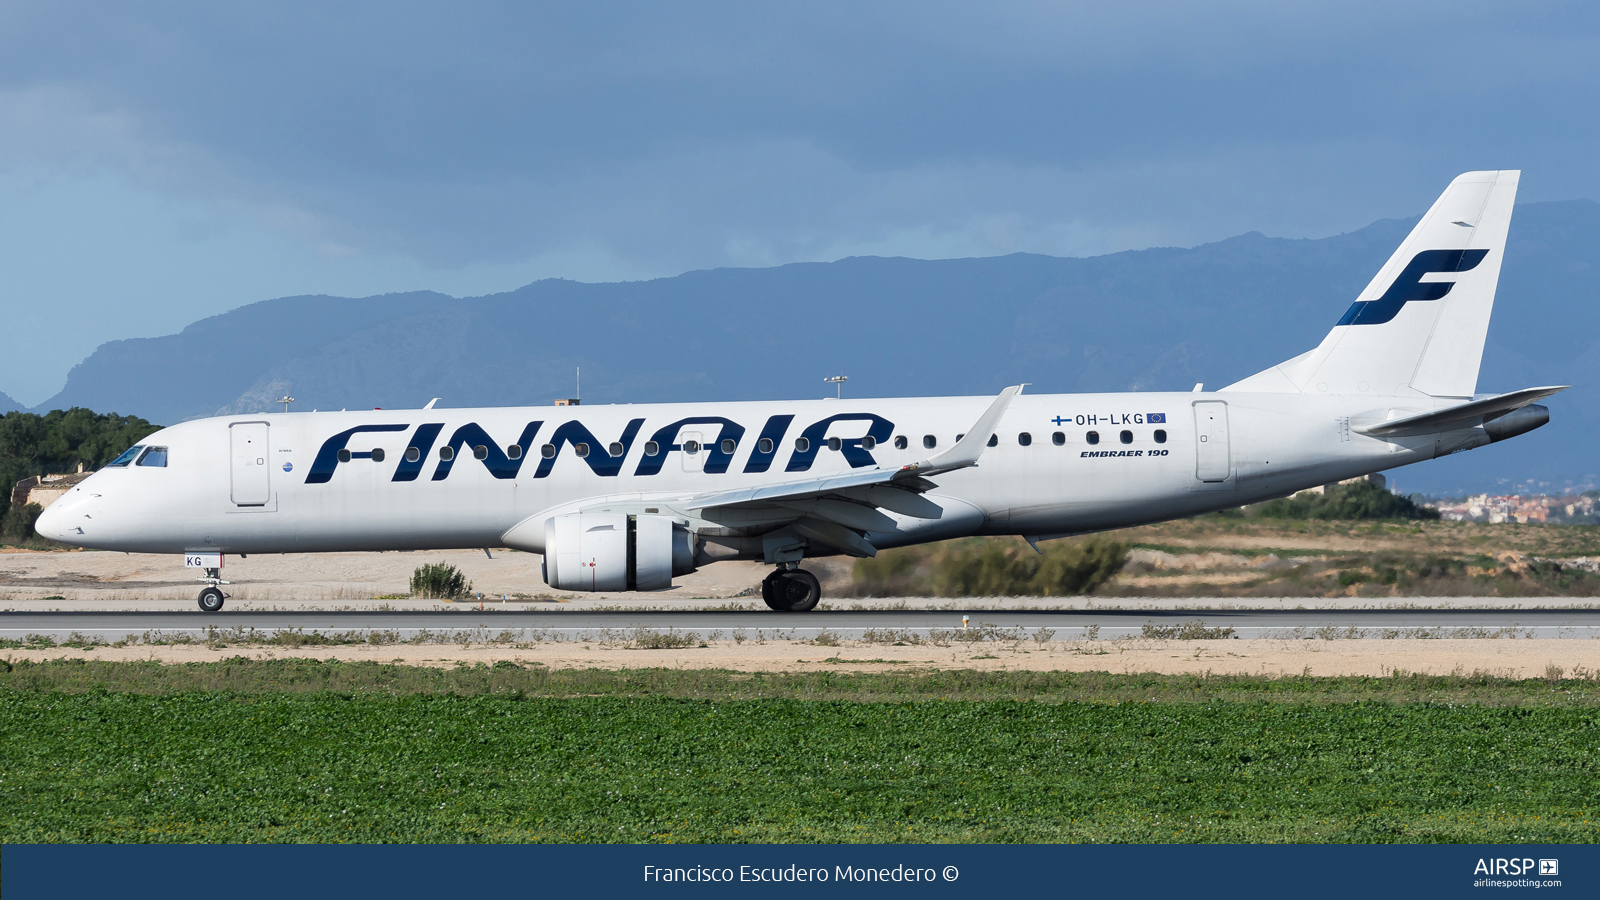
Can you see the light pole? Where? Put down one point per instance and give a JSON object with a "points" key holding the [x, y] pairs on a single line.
{"points": [[285, 400], [838, 382]]}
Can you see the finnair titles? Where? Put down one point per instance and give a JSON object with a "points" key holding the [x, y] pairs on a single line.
{"points": [[625, 498]]}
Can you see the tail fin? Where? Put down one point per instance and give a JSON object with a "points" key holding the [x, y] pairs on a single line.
{"points": [[1418, 328]]}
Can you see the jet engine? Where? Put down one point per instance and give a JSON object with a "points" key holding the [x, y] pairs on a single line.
{"points": [[1517, 421], [615, 552]]}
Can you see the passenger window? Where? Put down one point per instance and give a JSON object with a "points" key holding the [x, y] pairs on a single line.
{"points": [[155, 456], [1092, 437], [868, 442], [126, 457], [413, 454], [377, 454], [691, 447], [929, 441], [764, 445], [1024, 440], [728, 446], [801, 445], [581, 449], [1058, 439], [900, 442], [447, 453], [651, 448], [1161, 436], [548, 451], [994, 440], [1126, 436], [514, 451], [835, 443], [344, 456], [616, 449], [482, 452]]}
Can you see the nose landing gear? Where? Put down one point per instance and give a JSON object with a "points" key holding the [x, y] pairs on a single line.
{"points": [[791, 590], [211, 597]]}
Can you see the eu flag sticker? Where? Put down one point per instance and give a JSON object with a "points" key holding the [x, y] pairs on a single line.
{"points": [[1156, 418]]}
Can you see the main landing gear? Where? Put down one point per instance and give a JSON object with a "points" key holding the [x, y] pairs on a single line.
{"points": [[211, 597], [791, 590]]}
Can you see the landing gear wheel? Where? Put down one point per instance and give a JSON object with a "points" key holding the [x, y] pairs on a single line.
{"points": [[211, 599], [791, 590]]}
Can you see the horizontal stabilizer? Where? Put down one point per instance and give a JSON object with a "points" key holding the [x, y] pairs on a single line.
{"points": [[1464, 415]]}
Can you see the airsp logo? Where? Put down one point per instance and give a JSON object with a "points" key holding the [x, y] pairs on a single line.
{"points": [[1516, 867]]}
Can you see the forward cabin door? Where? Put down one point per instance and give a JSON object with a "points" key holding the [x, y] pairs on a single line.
{"points": [[252, 484], [694, 452], [1212, 460]]}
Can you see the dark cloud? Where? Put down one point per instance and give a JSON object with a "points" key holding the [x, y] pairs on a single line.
{"points": [[631, 140]]}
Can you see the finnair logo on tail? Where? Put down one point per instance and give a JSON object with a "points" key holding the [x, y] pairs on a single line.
{"points": [[1409, 285]]}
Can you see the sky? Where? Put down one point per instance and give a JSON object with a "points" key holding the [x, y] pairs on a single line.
{"points": [[163, 162]]}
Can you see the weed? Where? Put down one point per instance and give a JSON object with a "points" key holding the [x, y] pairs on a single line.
{"points": [[1186, 631], [671, 639]]}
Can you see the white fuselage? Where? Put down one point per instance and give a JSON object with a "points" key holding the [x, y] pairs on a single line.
{"points": [[254, 483]]}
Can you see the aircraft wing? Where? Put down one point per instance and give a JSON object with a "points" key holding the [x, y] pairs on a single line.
{"points": [[836, 509], [1457, 416]]}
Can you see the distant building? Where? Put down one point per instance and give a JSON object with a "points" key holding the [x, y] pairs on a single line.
{"points": [[45, 489], [1379, 480]]}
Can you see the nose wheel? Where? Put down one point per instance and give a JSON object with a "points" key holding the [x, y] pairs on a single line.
{"points": [[791, 590], [211, 599], [212, 596]]}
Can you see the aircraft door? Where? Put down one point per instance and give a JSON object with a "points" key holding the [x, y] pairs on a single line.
{"points": [[252, 483], [694, 451], [1212, 460]]}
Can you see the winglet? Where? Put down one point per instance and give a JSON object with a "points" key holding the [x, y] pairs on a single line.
{"points": [[967, 450]]}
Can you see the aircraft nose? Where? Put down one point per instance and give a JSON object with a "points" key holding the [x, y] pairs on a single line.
{"points": [[51, 523]]}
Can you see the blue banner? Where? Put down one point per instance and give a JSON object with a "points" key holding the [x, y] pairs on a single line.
{"points": [[435, 871]]}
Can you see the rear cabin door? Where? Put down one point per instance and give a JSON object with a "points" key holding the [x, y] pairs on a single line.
{"points": [[1212, 460], [252, 485]]}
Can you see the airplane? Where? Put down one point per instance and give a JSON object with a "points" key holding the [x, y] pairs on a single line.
{"points": [[625, 498]]}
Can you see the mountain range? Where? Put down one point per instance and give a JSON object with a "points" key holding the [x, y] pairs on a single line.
{"points": [[1156, 319]]}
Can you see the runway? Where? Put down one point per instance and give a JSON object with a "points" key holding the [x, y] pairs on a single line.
{"points": [[524, 624]]}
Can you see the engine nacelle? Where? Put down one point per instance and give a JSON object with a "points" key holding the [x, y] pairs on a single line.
{"points": [[1518, 421], [615, 552]]}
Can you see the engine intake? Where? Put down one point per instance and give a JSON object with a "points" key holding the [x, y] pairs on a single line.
{"points": [[615, 552]]}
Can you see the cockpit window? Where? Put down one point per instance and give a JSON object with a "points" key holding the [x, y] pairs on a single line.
{"points": [[154, 456], [127, 456]]}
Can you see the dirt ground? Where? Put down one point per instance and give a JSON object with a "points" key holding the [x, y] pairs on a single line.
{"points": [[84, 580], [91, 575], [1507, 658]]}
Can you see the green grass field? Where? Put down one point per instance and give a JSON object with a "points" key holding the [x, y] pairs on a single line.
{"points": [[300, 751]]}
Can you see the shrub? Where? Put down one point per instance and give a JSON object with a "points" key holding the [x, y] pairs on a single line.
{"points": [[17, 526], [1361, 500], [991, 567], [439, 581]]}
